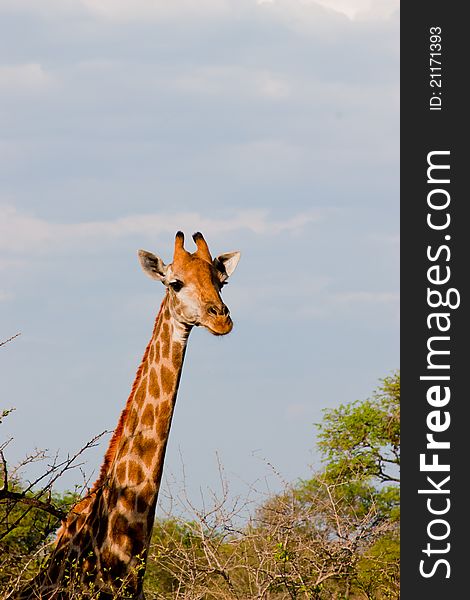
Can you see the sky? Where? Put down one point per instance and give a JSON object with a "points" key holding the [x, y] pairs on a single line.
{"points": [[271, 126]]}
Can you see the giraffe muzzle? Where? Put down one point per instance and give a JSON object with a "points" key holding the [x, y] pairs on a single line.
{"points": [[218, 321]]}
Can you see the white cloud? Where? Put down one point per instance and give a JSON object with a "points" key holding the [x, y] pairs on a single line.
{"points": [[25, 77], [373, 306], [386, 239], [360, 8], [380, 305], [140, 10], [326, 19], [273, 86], [315, 299], [353, 9], [125, 10], [20, 232], [298, 411], [157, 9], [352, 299], [118, 10], [229, 80]]}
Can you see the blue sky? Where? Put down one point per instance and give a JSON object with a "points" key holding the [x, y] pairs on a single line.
{"points": [[270, 126]]}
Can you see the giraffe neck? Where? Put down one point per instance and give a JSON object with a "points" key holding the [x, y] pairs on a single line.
{"points": [[135, 472], [109, 531]]}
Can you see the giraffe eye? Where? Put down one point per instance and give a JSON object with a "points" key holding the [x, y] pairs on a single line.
{"points": [[176, 285]]}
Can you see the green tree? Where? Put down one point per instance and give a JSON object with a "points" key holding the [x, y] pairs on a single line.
{"points": [[361, 440], [331, 537], [360, 443], [30, 513], [25, 530]]}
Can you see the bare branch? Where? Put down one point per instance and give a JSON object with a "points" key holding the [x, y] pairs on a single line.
{"points": [[48, 507], [10, 339]]}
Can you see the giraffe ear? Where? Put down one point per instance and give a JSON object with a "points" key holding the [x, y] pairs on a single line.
{"points": [[152, 265], [226, 263]]}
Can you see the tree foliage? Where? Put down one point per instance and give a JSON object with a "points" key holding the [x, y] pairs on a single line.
{"points": [[26, 530], [361, 440], [333, 536], [30, 512]]}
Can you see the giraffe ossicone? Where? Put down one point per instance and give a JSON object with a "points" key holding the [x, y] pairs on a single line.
{"points": [[102, 545]]}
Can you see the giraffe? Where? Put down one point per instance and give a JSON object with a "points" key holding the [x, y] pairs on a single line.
{"points": [[103, 542]]}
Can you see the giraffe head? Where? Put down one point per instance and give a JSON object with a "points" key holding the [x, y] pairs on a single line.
{"points": [[194, 281]]}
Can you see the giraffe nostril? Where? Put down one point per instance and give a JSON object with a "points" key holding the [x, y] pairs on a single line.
{"points": [[216, 311]]}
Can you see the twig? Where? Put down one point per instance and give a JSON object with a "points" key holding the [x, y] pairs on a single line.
{"points": [[33, 502], [9, 339]]}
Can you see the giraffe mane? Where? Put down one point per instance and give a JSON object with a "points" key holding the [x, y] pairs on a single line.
{"points": [[117, 435]]}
